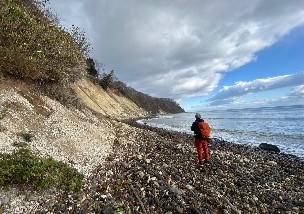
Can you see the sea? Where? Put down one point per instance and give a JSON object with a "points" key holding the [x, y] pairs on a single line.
{"points": [[282, 126]]}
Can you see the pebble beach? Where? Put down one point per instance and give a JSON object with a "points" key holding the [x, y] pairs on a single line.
{"points": [[151, 170]]}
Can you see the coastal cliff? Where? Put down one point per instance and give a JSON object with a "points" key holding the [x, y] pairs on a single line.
{"points": [[68, 144]]}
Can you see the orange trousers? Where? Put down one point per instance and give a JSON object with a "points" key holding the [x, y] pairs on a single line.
{"points": [[202, 145]]}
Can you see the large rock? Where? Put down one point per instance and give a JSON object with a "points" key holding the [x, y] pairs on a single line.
{"points": [[269, 147]]}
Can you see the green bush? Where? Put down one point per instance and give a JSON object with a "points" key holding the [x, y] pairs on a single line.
{"points": [[92, 67], [27, 136], [107, 80], [25, 169], [20, 144]]}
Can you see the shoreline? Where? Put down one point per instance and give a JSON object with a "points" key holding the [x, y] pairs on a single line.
{"points": [[133, 122], [158, 174], [151, 170], [155, 171]]}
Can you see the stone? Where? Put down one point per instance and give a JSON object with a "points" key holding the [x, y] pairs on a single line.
{"points": [[269, 147], [148, 161], [165, 165], [175, 190], [141, 174], [177, 177], [33, 198], [189, 187], [179, 209], [226, 211], [273, 163], [219, 172], [194, 210], [5, 200], [124, 164], [156, 184], [162, 188], [295, 209], [108, 209], [251, 201]]}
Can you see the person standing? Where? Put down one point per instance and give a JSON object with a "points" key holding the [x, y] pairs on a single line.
{"points": [[202, 133]]}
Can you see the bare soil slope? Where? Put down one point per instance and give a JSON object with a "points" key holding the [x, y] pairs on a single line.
{"points": [[106, 102], [81, 138]]}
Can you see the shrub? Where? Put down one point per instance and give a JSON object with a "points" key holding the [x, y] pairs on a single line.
{"points": [[31, 46], [20, 144], [107, 80], [27, 136], [92, 67], [25, 169], [81, 40], [3, 113]]}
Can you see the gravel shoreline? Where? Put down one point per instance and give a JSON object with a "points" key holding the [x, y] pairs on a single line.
{"points": [[151, 170]]}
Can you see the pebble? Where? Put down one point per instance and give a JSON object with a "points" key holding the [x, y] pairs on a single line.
{"points": [[124, 164], [219, 172], [194, 210], [108, 209], [175, 190], [251, 201], [189, 187], [179, 209]]}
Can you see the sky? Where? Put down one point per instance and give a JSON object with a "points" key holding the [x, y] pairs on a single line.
{"points": [[205, 54]]}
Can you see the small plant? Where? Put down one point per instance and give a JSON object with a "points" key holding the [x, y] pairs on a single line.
{"points": [[20, 144], [96, 208], [119, 208], [25, 169], [27, 136], [2, 128], [3, 113]]}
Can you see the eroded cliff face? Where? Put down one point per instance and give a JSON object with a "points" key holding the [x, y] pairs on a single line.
{"points": [[107, 102], [79, 137]]}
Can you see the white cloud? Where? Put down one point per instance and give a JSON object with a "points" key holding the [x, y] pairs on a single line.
{"points": [[179, 48], [295, 96], [258, 85], [297, 91]]}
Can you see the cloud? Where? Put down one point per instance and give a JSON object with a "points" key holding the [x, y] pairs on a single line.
{"points": [[294, 97], [258, 85], [179, 48], [297, 92]]}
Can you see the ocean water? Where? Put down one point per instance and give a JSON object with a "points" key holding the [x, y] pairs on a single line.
{"points": [[281, 126]]}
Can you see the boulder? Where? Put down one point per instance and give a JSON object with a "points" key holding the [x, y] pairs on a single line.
{"points": [[269, 147]]}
